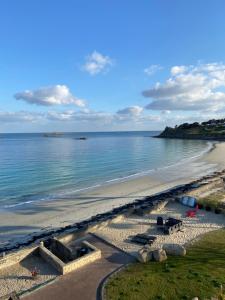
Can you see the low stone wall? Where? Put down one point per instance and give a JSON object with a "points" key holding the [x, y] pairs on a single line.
{"points": [[50, 258], [60, 250], [16, 257], [84, 260], [64, 268]]}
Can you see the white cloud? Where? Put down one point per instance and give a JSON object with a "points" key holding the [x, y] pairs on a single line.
{"points": [[99, 120], [130, 114], [165, 112], [143, 120], [51, 95], [84, 120], [152, 69], [21, 116], [132, 111], [97, 63], [135, 114], [80, 116], [177, 70], [190, 88]]}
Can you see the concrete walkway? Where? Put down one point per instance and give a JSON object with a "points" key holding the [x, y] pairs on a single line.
{"points": [[84, 284]]}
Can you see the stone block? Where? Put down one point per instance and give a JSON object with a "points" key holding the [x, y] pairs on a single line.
{"points": [[174, 249], [159, 255]]}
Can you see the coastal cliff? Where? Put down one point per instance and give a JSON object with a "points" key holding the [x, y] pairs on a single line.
{"points": [[210, 130]]}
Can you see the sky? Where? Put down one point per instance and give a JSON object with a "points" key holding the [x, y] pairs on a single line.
{"points": [[108, 65]]}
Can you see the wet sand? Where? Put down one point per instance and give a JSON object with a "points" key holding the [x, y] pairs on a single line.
{"points": [[17, 223]]}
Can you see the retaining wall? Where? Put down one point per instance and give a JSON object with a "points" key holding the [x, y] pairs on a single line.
{"points": [[60, 250], [50, 258], [84, 260], [16, 257], [64, 268]]}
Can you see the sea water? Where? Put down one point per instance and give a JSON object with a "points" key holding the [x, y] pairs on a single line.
{"points": [[34, 167]]}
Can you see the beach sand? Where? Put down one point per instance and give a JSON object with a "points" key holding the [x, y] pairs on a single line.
{"points": [[18, 277], [119, 233], [216, 156], [18, 222]]}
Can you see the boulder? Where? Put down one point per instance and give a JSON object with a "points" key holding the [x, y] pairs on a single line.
{"points": [[144, 254], [159, 255], [174, 249]]}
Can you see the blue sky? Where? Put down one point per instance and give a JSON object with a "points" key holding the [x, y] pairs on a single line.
{"points": [[110, 65]]}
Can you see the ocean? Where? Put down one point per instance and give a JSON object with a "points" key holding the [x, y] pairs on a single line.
{"points": [[38, 168]]}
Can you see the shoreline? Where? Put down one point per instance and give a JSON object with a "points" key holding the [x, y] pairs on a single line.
{"points": [[53, 217], [142, 174]]}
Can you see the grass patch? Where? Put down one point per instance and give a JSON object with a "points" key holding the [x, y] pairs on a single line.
{"points": [[200, 273], [213, 200]]}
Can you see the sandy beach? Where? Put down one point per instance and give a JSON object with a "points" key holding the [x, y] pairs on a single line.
{"points": [[119, 233], [18, 277], [17, 223]]}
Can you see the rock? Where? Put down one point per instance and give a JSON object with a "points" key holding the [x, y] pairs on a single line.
{"points": [[81, 138], [144, 254], [174, 249], [195, 298], [129, 211], [159, 255]]}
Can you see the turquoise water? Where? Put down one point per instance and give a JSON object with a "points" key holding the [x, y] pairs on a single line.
{"points": [[34, 167]]}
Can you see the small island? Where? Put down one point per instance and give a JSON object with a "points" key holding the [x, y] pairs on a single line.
{"points": [[210, 130], [53, 134]]}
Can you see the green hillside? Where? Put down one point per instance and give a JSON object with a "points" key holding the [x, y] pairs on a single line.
{"points": [[210, 130]]}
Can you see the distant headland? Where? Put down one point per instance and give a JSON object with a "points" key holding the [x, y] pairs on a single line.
{"points": [[53, 134], [210, 130]]}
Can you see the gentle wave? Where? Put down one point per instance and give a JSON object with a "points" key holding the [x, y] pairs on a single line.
{"points": [[183, 161], [49, 198]]}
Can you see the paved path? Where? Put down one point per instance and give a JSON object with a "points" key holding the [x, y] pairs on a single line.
{"points": [[84, 284]]}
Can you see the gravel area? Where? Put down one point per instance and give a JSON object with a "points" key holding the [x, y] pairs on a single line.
{"points": [[119, 233], [18, 277]]}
